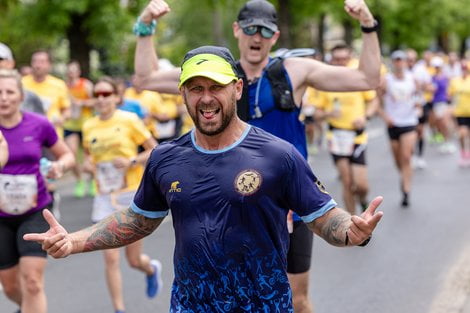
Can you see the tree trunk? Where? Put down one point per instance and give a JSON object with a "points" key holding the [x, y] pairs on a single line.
{"points": [[218, 28], [443, 41], [78, 41], [348, 32], [321, 34], [463, 47], [284, 22]]}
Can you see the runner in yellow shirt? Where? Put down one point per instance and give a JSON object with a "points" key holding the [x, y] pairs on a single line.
{"points": [[313, 128], [346, 114], [52, 90], [111, 140], [460, 93], [164, 111]]}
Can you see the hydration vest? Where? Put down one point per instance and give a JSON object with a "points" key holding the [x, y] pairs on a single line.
{"points": [[280, 86]]}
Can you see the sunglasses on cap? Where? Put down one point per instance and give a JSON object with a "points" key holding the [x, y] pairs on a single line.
{"points": [[103, 94], [264, 31]]}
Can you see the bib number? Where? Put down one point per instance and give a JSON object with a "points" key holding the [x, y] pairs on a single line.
{"points": [[18, 193], [109, 178], [342, 142], [166, 129]]}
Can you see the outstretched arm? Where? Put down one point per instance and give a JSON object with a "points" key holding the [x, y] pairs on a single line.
{"points": [[119, 229], [341, 229], [326, 77], [146, 58]]}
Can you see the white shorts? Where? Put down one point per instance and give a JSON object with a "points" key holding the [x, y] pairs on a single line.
{"points": [[105, 205], [440, 109]]}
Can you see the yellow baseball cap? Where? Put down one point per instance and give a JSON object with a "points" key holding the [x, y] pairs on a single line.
{"points": [[216, 63]]}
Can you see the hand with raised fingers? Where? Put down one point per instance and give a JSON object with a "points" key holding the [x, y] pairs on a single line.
{"points": [[154, 10], [56, 241], [362, 226], [359, 10]]}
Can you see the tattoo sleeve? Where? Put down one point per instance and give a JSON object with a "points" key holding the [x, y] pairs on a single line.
{"points": [[332, 227], [120, 229]]}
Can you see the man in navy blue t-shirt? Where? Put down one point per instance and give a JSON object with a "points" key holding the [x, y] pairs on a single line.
{"points": [[228, 187]]}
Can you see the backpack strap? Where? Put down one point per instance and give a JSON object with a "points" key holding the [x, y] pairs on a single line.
{"points": [[281, 89], [243, 106]]}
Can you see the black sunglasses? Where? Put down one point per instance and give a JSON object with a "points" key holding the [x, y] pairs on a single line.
{"points": [[104, 94], [264, 31]]}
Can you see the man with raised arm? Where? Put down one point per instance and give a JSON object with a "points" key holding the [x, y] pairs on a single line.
{"points": [[256, 30]]}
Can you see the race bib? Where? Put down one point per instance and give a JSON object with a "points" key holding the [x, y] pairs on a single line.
{"points": [[75, 112], [342, 142], [109, 178], [46, 103], [18, 193], [308, 110], [166, 129]]}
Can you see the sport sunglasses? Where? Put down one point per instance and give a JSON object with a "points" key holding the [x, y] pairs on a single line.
{"points": [[104, 94], [264, 31]]}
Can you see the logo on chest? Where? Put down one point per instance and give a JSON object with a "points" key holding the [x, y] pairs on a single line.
{"points": [[248, 182]]}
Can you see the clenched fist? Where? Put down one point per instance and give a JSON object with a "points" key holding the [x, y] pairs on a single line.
{"points": [[358, 9], [154, 10]]}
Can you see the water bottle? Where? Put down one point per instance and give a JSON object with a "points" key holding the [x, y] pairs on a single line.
{"points": [[44, 166]]}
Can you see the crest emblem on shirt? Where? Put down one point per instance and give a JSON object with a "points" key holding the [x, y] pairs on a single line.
{"points": [[248, 182]]}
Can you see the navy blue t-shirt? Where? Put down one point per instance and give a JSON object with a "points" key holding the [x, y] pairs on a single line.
{"points": [[229, 210]]}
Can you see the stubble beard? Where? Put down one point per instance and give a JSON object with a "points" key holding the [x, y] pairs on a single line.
{"points": [[226, 118]]}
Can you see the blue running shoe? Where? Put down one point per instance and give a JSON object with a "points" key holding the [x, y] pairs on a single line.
{"points": [[154, 281]]}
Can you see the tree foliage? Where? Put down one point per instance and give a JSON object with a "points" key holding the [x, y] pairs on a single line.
{"points": [[105, 26]]}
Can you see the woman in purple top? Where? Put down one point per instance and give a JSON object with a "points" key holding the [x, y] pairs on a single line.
{"points": [[23, 194], [441, 104]]}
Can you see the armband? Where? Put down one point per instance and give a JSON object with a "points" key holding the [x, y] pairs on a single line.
{"points": [[143, 30], [371, 29]]}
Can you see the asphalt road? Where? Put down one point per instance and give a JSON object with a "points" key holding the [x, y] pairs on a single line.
{"points": [[416, 262]]}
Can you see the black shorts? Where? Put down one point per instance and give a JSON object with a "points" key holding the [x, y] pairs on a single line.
{"points": [[427, 109], [463, 121], [12, 244], [68, 132], [395, 132], [299, 255], [358, 156], [309, 119]]}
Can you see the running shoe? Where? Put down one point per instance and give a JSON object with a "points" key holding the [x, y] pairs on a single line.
{"points": [[405, 203], [92, 188], [421, 163], [154, 281], [79, 190], [437, 138], [364, 205]]}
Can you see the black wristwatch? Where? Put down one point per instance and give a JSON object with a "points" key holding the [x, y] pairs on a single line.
{"points": [[371, 29], [365, 242]]}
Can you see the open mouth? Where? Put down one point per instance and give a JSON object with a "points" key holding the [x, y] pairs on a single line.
{"points": [[255, 48], [209, 114]]}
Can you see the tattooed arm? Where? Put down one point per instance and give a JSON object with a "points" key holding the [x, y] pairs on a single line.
{"points": [[341, 229], [119, 229]]}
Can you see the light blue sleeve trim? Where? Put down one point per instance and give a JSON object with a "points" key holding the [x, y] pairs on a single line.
{"points": [[159, 214], [309, 218], [236, 143]]}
